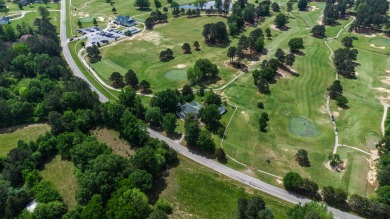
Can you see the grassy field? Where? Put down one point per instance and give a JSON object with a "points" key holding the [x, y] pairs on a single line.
{"points": [[142, 54], [60, 173], [9, 137], [14, 8], [197, 192], [30, 17], [112, 140]]}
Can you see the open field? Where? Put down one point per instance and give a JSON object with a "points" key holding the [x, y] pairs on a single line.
{"points": [[30, 17], [112, 140], [142, 54], [197, 192], [60, 173], [14, 8], [9, 137]]}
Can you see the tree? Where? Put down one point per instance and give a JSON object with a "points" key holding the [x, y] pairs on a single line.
{"points": [[113, 10], [157, 3], [263, 122], [79, 24], [280, 20], [94, 209], [302, 158], [334, 160], [131, 78], [347, 41], [196, 45], [132, 129], [289, 6], [280, 55], [202, 70], [186, 48], [302, 5], [335, 90], [268, 32], [309, 210], [45, 192], [290, 59], [341, 101], [295, 44], [142, 180], [187, 93], [145, 86], [231, 53], [149, 23], [334, 197], [218, 5], [275, 7], [165, 9], [383, 194], [318, 31], [169, 123], [132, 203], [95, 23], [212, 98], [154, 116], [50, 210], [192, 132], [164, 206], [166, 55], [142, 4], [117, 80], [43, 12], [260, 105], [166, 100], [205, 142], [220, 154], [210, 116], [215, 33], [292, 181], [158, 214], [93, 54]]}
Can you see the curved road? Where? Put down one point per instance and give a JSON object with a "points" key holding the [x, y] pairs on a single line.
{"points": [[222, 169]]}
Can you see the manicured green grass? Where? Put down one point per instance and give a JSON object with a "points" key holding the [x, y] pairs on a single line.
{"points": [[303, 127], [9, 137], [74, 47], [142, 54], [60, 173], [30, 17], [13, 7], [197, 192]]}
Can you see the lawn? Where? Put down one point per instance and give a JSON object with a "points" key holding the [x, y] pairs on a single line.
{"points": [[197, 192], [142, 54], [13, 7], [9, 137], [30, 17], [60, 173]]}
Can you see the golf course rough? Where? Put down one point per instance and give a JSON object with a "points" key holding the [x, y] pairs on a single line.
{"points": [[303, 127]]}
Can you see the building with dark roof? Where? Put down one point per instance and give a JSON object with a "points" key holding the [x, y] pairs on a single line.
{"points": [[4, 20], [24, 2], [124, 21]]}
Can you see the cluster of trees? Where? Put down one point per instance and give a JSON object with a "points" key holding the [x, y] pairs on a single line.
{"points": [[253, 208], [302, 5], [254, 43], [280, 20], [335, 92], [215, 33], [197, 138], [371, 13], [309, 210], [266, 74], [344, 61], [166, 55], [263, 122], [296, 44], [155, 17], [202, 70], [130, 79], [93, 53], [302, 157], [335, 10], [142, 4], [372, 208]]}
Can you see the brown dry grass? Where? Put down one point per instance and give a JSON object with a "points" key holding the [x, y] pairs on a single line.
{"points": [[112, 140]]}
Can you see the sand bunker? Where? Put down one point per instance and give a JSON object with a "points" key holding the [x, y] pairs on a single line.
{"points": [[336, 114], [181, 66], [371, 35], [377, 47], [100, 19], [245, 115], [83, 15], [313, 8]]}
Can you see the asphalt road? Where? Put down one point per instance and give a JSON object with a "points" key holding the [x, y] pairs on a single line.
{"points": [[68, 57], [222, 169]]}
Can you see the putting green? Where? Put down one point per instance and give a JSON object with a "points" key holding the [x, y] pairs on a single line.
{"points": [[176, 74], [303, 127], [380, 42]]}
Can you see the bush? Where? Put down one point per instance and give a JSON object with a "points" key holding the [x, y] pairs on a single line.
{"points": [[260, 105], [164, 205]]}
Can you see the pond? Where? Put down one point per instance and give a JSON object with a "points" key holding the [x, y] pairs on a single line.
{"points": [[207, 5]]}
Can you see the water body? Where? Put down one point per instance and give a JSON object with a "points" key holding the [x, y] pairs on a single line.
{"points": [[206, 6]]}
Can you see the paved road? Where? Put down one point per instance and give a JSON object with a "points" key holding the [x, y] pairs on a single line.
{"points": [[68, 57], [233, 174]]}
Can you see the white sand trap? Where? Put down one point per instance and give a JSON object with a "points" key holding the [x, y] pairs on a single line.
{"points": [[388, 71], [245, 115], [274, 27], [313, 8], [83, 15], [319, 21], [336, 114], [100, 19], [371, 35], [181, 66], [377, 47], [386, 81], [382, 89]]}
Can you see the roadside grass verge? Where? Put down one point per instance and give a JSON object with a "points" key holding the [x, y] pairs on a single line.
{"points": [[9, 137], [30, 17], [60, 173], [197, 192]]}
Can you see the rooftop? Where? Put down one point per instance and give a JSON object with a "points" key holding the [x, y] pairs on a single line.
{"points": [[4, 20]]}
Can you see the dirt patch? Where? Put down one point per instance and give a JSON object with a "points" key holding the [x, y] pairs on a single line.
{"points": [[112, 140], [285, 149], [377, 47], [245, 115], [181, 66], [279, 181], [249, 172], [83, 15], [319, 21], [388, 71], [284, 73], [382, 89], [336, 114], [274, 27], [323, 109], [153, 37], [313, 8], [372, 173]]}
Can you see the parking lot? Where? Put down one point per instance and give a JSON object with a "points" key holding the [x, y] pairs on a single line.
{"points": [[103, 36]]}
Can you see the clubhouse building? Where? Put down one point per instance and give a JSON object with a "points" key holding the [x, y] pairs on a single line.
{"points": [[125, 21]]}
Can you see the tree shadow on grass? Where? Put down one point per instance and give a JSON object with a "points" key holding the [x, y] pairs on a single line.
{"points": [[287, 69], [159, 185]]}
